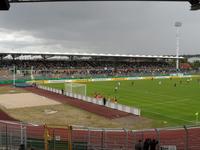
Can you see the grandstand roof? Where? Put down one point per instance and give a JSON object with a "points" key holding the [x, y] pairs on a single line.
{"points": [[52, 54]]}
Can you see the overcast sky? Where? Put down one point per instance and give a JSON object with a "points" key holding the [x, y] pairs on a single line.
{"points": [[100, 27]]}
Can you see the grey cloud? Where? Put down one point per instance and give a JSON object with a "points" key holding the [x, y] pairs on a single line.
{"points": [[105, 27]]}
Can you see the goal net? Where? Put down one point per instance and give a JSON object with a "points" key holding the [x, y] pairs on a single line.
{"points": [[76, 88]]}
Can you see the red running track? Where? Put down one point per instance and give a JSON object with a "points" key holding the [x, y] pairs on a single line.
{"points": [[90, 107], [4, 85], [5, 116]]}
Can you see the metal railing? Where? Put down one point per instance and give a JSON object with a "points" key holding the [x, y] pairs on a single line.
{"points": [[16, 135], [113, 105]]}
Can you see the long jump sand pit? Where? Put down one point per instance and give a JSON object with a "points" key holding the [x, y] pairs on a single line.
{"points": [[21, 100]]}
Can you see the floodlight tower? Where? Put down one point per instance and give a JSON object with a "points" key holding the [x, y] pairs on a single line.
{"points": [[177, 25]]}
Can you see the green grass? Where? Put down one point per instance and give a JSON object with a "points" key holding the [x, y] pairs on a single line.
{"points": [[165, 104]]}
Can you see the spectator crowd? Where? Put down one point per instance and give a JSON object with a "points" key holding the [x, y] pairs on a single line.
{"points": [[148, 144], [80, 69]]}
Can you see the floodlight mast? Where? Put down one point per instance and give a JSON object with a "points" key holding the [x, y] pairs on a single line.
{"points": [[177, 25], [14, 77]]}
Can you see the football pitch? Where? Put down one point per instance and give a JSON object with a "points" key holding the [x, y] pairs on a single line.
{"points": [[168, 102]]}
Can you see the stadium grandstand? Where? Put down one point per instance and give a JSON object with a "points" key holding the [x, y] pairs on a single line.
{"points": [[82, 65]]}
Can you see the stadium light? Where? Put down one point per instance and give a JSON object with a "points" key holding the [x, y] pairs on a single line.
{"points": [[177, 25], [4, 5], [195, 5]]}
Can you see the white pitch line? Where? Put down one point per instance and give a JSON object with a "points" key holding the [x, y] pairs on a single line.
{"points": [[168, 102], [160, 95], [169, 116]]}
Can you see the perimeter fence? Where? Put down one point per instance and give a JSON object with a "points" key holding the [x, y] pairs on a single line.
{"points": [[113, 105], [26, 136]]}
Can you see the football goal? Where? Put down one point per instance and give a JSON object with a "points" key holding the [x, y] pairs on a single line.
{"points": [[77, 88]]}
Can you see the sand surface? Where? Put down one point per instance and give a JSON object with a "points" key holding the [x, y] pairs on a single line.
{"points": [[21, 100]]}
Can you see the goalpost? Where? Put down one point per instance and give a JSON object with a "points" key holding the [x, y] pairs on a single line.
{"points": [[77, 88]]}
